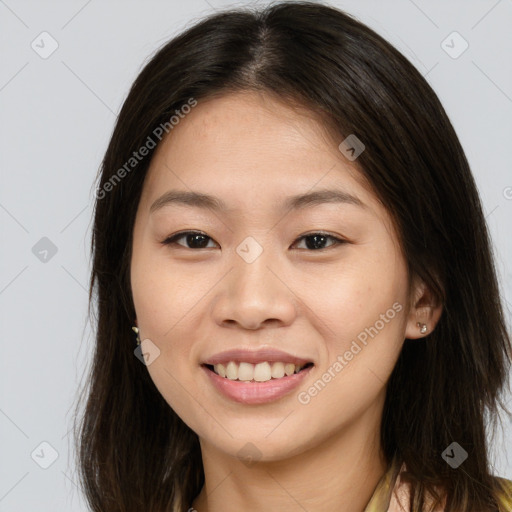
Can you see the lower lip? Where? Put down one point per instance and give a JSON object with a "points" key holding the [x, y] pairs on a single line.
{"points": [[253, 393]]}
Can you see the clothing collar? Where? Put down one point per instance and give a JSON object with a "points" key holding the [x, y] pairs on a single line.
{"points": [[381, 499], [393, 494]]}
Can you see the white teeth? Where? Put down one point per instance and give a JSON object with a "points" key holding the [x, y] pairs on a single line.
{"points": [[245, 371], [261, 372], [277, 370], [231, 370], [289, 368], [219, 368]]}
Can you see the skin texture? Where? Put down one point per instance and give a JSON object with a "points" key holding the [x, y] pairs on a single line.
{"points": [[251, 151]]}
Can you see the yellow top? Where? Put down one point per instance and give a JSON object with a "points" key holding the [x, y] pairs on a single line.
{"points": [[392, 495]]}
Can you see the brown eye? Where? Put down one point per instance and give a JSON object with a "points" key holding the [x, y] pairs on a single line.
{"points": [[199, 240], [316, 241], [193, 239]]}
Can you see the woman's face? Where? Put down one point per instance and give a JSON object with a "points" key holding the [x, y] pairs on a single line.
{"points": [[258, 281]]}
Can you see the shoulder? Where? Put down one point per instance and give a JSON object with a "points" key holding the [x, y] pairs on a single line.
{"points": [[400, 500], [504, 493]]}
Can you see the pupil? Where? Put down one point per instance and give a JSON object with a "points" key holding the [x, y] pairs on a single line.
{"points": [[190, 240], [317, 243], [201, 241]]}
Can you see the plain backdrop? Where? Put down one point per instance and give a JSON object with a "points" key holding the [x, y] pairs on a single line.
{"points": [[57, 114]]}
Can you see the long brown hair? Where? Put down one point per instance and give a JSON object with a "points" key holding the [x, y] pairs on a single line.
{"points": [[134, 452]]}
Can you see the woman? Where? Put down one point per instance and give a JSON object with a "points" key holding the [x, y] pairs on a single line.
{"points": [[287, 220]]}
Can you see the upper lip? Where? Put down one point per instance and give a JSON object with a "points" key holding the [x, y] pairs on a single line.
{"points": [[254, 357]]}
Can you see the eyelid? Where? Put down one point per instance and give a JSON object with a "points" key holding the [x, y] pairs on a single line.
{"points": [[171, 238], [337, 239]]}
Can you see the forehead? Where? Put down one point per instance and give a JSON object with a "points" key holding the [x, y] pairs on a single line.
{"points": [[249, 143]]}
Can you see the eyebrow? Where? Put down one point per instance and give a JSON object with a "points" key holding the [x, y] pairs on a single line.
{"points": [[199, 200]]}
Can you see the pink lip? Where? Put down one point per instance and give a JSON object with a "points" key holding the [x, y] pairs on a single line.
{"points": [[253, 393], [255, 356]]}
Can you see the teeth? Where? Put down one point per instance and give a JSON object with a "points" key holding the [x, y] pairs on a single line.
{"points": [[289, 369], [245, 371], [219, 368], [231, 370], [261, 372], [277, 370]]}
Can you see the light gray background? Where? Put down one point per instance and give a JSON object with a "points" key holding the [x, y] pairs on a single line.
{"points": [[56, 118]]}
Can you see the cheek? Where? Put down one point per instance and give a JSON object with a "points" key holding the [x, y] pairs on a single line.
{"points": [[361, 325], [164, 303], [162, 296], [165, 314], [360, 302], [349, 296]]}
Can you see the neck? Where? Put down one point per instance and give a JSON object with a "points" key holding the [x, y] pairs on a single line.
{"points": [[340, 473]]}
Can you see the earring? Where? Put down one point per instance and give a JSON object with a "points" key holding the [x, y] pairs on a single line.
{"points": [[136, 331], [423, 327]]}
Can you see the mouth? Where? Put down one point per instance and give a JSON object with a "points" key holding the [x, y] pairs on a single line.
{"points": [[264, 371]]}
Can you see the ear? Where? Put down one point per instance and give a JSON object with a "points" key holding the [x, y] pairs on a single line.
{"points": [[423, 309]]}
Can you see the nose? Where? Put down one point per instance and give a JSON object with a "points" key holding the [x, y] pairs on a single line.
{"points": [[255, 295]]}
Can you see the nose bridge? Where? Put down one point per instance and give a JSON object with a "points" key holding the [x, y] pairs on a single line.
{"points": [[252, 261], [252, 292]]}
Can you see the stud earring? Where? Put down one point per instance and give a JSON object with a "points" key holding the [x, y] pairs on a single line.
{"points": [[136, 331], [423, 327]]}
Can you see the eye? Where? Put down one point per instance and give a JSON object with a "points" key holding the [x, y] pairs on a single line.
{"points": [[196, 239], [199, 240], [315, 241]]}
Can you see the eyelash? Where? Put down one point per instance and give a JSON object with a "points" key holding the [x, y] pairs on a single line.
{"points": [[173, 238]]}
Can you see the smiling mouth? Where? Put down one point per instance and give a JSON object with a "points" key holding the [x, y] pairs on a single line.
{"points": [[260, 372]]}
